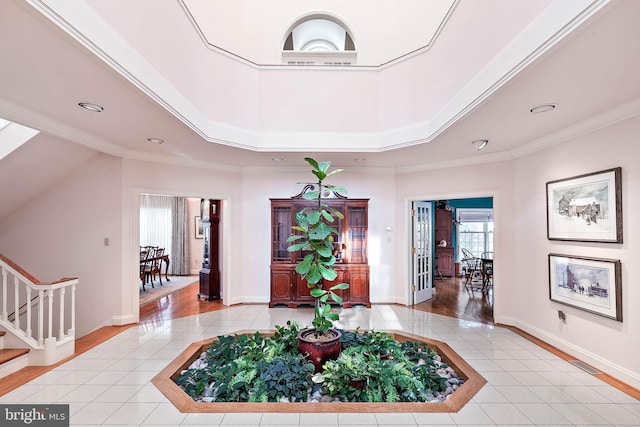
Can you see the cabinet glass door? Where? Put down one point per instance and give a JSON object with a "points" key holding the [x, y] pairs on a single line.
{"points": [[357, 235], [281, 231]]}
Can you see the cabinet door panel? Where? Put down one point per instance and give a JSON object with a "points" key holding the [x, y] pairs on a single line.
{"points": [[358, 287], [281, 285]]}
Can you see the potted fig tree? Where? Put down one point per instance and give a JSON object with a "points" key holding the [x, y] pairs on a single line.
{"points": [[314, 235]]}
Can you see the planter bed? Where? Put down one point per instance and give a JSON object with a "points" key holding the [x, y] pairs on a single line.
{"points": [[473, 382]]}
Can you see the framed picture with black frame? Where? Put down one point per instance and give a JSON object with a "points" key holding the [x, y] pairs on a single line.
{"points": [[586, 208], [590, 284]]}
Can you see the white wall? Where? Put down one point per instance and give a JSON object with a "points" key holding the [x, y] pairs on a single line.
{"points": [[607, 344], [61, 231]]}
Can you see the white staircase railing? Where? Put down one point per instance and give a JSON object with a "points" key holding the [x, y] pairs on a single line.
{"points": [[33, 310]]}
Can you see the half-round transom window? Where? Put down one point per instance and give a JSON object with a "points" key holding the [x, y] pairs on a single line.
{"points": [[319, 36]]}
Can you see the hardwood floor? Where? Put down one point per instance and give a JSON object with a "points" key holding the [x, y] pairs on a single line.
{"points": [[181, 303], [452, 299]]}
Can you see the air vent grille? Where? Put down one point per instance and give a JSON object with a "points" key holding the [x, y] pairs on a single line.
{"points": [[585, 367]]}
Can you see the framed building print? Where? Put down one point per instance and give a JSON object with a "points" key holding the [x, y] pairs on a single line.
{"points": [[590, 284], [199, 228], [586, 208]]}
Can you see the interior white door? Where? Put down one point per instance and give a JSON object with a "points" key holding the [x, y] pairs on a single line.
{"points": [[421, 287]]}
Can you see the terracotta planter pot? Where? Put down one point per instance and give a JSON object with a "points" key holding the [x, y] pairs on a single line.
{"points": [[318, 351]]}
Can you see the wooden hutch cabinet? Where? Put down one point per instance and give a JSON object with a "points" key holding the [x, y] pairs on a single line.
{"points": [[443, 230], [350, 250]]}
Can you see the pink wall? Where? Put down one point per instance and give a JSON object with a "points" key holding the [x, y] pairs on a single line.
{"points": [[607, 344]]}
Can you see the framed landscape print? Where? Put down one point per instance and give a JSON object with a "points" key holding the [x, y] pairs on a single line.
{"points": [[586, 208], [590, 284]]}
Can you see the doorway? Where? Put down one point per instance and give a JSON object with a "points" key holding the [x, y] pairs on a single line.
{"points": [[469, 222], [170, 225]]}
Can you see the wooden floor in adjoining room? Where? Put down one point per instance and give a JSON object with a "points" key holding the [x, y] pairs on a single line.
{"points": [[451, 298], [183, 302]]}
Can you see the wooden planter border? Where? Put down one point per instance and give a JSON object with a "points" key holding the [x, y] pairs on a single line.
{"points": [[184, 403]]}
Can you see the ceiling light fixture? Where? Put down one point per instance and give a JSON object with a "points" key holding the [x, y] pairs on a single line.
{"points": [[277, 159], [359, 159], [480, 143], [91, 107], [155, 140], [542, 108]]}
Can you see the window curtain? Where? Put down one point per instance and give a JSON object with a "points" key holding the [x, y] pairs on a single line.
{"points": [[164, 223], [180, 238], [156, 224]]}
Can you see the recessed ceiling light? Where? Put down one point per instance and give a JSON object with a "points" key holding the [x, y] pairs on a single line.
{"points": [[359, 159], [480, 143], [91, 107], [155, 140], [277, 159], [542, 108]]}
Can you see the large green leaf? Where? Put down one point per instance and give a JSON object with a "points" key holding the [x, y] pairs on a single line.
{"points": [[324, 166], [324, 252], [328, 273], [313, 218], [321, 175], [317, 293], [327, 215], [312, 162], [336, 297], [295, 237], [314, 275], [332, 316], [339, 286], [337, 213], [321, 232], [297, 247], [305, 265], [301, 219]]}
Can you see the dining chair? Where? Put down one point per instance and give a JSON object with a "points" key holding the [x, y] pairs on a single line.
{"points": [[473, 272], [145, 268], [156, 264]]}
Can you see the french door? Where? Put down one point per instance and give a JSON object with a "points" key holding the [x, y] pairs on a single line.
{"points": [[421, 262]]}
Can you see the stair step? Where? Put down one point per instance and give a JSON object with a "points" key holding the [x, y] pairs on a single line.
{"points": [[11, 353]]}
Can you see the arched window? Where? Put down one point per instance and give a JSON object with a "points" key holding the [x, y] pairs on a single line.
{"points": [[319, 41]]}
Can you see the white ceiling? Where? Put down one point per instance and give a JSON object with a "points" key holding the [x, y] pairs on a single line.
{"points": [[222, 106]]}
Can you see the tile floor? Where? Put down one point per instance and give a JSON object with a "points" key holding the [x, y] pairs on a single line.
{"points": [[110, 384]]}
